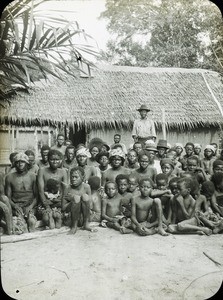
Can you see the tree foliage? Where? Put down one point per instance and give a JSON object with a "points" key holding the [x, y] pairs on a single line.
{"points": [[164, 33], [35, 44]]}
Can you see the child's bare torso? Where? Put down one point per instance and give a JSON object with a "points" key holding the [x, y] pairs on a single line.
{"points": [[96, 201], [181, 204], [113, 206], [143, 207]]}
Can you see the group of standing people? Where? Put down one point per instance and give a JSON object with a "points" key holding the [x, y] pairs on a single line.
{"points": [[148, 188]]}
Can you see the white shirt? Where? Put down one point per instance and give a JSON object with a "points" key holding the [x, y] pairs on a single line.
{"points": [[144, 128]]}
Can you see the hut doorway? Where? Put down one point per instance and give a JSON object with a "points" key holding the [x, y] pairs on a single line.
{"points": [[77, 135]]}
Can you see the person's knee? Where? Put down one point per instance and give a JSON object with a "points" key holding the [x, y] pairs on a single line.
{"points": [[180, 226], [157, 201], [85, 198], [4, 199]]}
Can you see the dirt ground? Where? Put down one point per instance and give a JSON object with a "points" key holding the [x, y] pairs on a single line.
{"points": [[109, 265]]}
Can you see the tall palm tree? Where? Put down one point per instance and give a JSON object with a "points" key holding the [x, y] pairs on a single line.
{"points": [[35, 44]]}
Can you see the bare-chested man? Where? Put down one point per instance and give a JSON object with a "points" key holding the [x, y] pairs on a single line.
{"points": [[117, 158], [43, 162], [141, 208], [52, 218], [20, 188], [77, 200], [70, 160], [5, 209]]}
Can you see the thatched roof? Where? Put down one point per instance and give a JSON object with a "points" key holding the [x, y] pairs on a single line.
{"points": [[111, 98]]}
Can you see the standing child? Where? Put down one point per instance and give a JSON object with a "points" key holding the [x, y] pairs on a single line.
{"points": [[52, 215], [141, 210], [209, 158], [95, 211]]}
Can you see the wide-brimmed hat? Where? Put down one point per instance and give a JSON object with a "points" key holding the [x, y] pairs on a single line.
{"points": [[21, 156], [143, 107], [162, 144]]}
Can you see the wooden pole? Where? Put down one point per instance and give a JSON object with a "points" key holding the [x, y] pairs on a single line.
{"points": [[49, 137], [36, 142], [164, 123], [13, 139]]}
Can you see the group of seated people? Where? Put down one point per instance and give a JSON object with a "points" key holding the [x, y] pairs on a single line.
{"points": [[149, 188]]}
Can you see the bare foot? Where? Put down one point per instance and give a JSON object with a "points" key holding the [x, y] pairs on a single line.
{"points": [[219, 228], [73, 230], [125, 230], [207, 231], [161, 231], [88, 228]]}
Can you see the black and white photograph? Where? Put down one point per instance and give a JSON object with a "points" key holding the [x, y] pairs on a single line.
{"points": [[111, 149]]}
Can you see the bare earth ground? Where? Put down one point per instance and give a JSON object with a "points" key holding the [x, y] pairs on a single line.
{"points": [[108, 265]]}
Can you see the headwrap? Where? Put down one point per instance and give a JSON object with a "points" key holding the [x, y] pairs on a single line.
{"points": [[197, 146], [210, 147], [166, 161], [83, 151], [21, 156], [117, 152], [179, 145]]}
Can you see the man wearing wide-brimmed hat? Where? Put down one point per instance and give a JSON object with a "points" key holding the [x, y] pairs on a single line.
{"points": [[143, 128]]}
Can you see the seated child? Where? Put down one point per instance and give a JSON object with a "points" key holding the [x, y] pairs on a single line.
{"points": [[77, 200], [111, 207], [122, 182], [183, 203], [51, 216], [164, 193], [201, 223], [141, 209], [217, 199], [203, 196], [95, 211]]}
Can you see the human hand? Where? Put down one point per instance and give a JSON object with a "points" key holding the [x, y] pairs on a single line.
{"points": [[18, 210], [27, 210], [141, 230]]}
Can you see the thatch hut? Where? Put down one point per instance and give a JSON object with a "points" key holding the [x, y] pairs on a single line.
{"points": [[105, 103]]}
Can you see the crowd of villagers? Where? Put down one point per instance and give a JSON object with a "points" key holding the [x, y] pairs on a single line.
{"points": [[145, 189]]}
